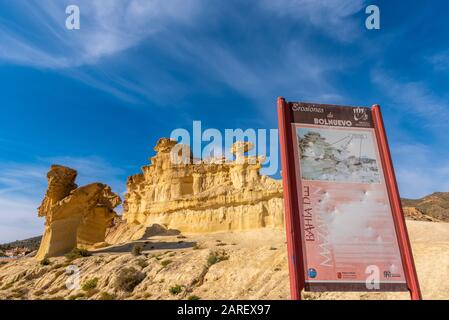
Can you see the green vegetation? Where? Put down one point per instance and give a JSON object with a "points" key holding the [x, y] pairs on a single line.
{"points": [[90, 284], [175, 290], [193, 298], [136, 250], [107, 296], [128, 279], [215, 257], [77, 253], [31, 243], [166, 262], [212, 259]]}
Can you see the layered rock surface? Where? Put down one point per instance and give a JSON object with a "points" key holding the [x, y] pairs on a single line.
{"points": [[203, 196], [74, 216], [255, 267]]}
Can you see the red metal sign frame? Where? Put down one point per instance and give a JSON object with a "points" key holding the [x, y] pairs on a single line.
{"points": [[292, 209]]}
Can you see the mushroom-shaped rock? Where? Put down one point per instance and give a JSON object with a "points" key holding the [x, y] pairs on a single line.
{"points": [[74, 216], [241, 147]]}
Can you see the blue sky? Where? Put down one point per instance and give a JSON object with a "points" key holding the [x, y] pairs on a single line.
{"points": [[97, 99]]}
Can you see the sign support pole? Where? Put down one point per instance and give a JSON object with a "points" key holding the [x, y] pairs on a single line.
{"points": [[398, 216], [292, 220]]}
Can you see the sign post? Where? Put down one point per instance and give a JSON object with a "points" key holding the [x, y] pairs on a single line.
{"points": [[344, 221]]}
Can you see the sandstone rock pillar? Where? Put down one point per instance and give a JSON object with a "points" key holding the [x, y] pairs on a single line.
{"points": [[74, 216]]}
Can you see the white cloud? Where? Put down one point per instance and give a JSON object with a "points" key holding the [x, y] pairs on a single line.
{"points": [[110, 27], [107, 28], [413, 98], [295, 70], [332, 16], [440, 61]]}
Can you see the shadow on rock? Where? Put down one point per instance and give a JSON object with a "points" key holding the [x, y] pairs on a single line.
{"points": [[159, 230], [146, 246]]}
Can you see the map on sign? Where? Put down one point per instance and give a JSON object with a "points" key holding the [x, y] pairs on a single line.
{"points": [[334, 155], [348, 233]]}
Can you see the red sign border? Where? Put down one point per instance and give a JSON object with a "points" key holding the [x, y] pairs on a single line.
{"points": [[291, 203]]}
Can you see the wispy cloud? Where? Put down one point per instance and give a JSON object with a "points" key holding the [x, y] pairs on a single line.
{"points": [[270, 70], [413, 97], [333, 17], [107, 28], [175, 29], [419, 156], [440, 61]]}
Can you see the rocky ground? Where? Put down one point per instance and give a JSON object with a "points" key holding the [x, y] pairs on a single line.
{"points": [[240, 265]]}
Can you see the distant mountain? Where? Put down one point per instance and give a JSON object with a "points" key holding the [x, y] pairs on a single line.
{"points": [[435, 206], [31, 243]]}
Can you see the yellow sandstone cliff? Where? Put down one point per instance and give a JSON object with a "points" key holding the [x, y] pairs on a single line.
{"points": [[205, 196]]}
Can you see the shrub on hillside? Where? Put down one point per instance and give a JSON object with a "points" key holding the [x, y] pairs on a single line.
{"points": [[106, 296], [175, 290], [128, 279], [136, 250], [217, 256], [45, 262], [77, 253], [90, 284]]}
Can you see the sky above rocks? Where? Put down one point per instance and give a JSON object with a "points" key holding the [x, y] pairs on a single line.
{"points": [[97, 99]]}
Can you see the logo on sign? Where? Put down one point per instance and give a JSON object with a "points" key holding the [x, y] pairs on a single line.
{"points": [[312, 273], [360, 114]]}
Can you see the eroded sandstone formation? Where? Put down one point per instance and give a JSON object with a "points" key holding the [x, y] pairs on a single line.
{"points": [[205, 196], [75, 216]]}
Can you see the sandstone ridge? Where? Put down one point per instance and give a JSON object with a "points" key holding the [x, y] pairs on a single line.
{"points": [[434, 207], [202, 196]]}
